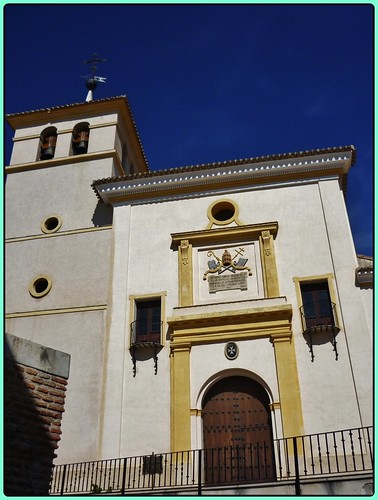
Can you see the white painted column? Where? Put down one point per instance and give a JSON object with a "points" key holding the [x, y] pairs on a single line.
{"points": [[115, 339]]}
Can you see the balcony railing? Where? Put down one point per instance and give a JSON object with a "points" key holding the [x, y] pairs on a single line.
{"points": [[317, 319], [145, 334], [316, 455]]}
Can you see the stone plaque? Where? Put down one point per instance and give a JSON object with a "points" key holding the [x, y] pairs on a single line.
{"points": [[228, 282]]}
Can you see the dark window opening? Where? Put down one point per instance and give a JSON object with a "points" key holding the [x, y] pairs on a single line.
{"points": [[48, 143], [223, 211], [41, 285], [147, 326], [317, 306], [223, 215], [51, 223], [80, 138]]}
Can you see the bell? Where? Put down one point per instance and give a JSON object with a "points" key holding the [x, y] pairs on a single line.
{"points": [[48, 148], [48, 153], [81, 148], [81, 143]]}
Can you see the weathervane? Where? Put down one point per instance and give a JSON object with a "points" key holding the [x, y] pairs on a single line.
{"points": [[92, 79]]}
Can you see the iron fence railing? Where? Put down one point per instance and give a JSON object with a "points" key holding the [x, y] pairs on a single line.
{"points": [[315, 455]]}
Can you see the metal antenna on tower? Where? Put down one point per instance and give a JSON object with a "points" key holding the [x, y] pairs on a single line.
{"points": [[92, 79]]}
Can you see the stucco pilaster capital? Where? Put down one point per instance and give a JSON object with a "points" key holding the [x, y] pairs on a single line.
{"points": [[281, 337]]}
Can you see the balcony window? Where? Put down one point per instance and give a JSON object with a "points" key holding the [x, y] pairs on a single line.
{"points": [[317, 308], [147, 327], [318, 312]]}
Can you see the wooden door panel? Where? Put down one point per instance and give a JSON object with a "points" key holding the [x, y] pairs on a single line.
{"points": [[237, 432]]}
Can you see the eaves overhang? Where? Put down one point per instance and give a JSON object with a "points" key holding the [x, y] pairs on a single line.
{"points": [[227, 175]]}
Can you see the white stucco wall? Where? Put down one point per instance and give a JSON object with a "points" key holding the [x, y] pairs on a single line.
{"points": [[63, 191], [77, 265], [145, 263]]}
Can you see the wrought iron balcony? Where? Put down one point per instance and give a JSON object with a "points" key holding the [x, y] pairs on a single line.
{"points": [[319, 318], [145, 335], [297, 459]]}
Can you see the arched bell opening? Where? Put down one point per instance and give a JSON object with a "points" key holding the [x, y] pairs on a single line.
{"points": [[237, 432], [48, 142], [80, 138]]}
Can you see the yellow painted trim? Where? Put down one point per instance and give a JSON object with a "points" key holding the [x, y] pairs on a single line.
{"points": [[159, 295], [61, 132], [275, 406], [44, 228], [61, 233], [225, 326], [33, 292], [222, 202], [180, 398], [185, 241], [185, 268], [225, 234], [150, 193], [195, 412], [268, 261], [220, 327], [64, 160], [288, 384], [330, 279], [67, 310]]}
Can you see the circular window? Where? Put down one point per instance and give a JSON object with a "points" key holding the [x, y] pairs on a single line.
{"points": [[51, 224], [40, 286], [222, 212]]}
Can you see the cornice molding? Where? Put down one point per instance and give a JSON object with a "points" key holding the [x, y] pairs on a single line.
{"points": [[220, 234], [69, 232], [222, 326], [197, 180], [65, 160], [46, 312], [231, 316]]}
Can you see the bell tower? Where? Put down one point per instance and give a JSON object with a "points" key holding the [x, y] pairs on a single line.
{"points": [[65, 148], [59, 242]]}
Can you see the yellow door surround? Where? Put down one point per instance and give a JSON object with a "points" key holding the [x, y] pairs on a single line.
{"points": [[186, 331]]}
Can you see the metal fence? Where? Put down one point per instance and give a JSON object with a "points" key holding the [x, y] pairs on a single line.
{"points": [[315, 455]]}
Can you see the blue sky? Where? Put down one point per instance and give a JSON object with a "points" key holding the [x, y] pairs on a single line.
{"points": [[210, 82]]}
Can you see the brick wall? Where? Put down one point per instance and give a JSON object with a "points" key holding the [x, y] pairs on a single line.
{"points": [[33, 409]]}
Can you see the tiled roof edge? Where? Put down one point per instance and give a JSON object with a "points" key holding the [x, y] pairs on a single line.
{"points": [[361, 256], [193, 168], [65, 106]]}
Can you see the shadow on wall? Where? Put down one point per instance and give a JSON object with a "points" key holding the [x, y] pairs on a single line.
{"points": [[103, 215], [33, 406]]}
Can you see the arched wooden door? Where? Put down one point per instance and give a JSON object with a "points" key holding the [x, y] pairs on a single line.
{"points": [[237, 431]]}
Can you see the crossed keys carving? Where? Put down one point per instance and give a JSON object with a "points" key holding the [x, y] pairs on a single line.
{"points": [[227, 263]]}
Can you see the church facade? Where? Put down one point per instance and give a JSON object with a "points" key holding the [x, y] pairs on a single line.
{"points": [[203, 307]]}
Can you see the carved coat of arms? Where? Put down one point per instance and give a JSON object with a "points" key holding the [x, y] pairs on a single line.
{"points": [[225, 263]]}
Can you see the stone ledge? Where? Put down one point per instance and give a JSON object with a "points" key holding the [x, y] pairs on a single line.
{"points": [[37, 356]]}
